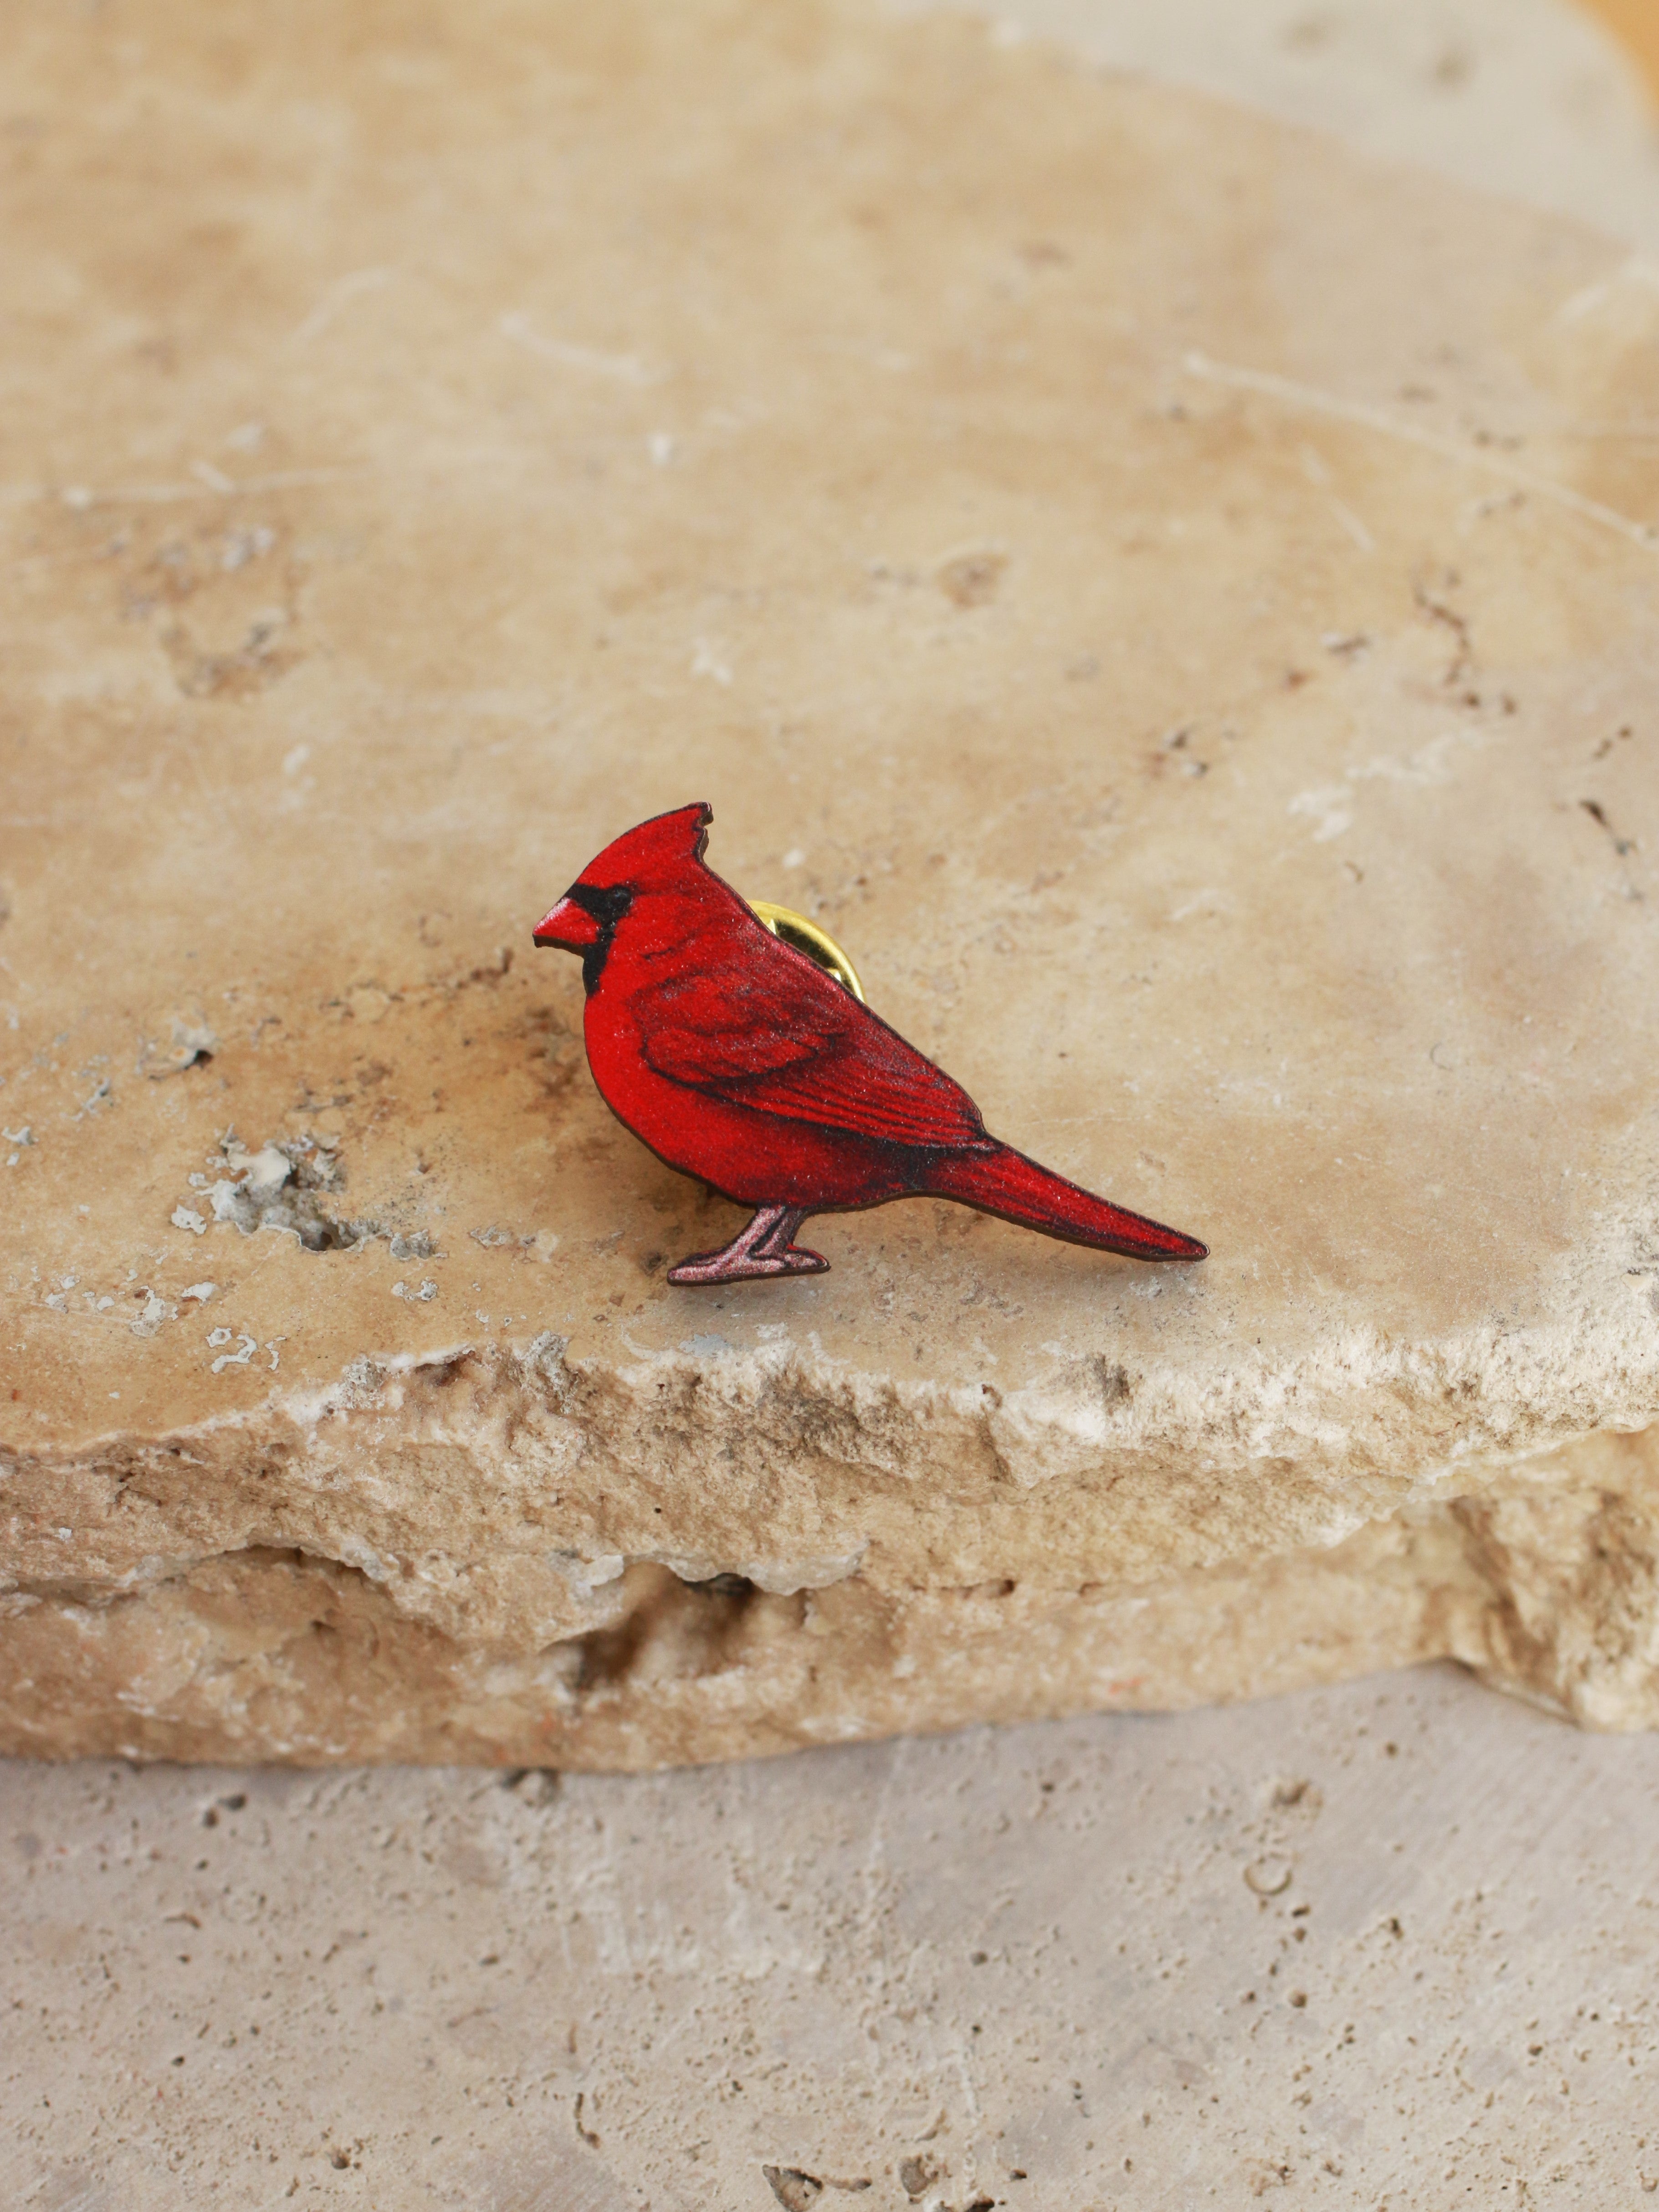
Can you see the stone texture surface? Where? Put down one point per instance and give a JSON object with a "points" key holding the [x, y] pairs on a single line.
{"points": [[1387, 1944], [1175, 600]]}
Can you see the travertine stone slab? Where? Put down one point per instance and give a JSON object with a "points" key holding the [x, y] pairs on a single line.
{"points": [[1386, 1942], [1176, 602]]}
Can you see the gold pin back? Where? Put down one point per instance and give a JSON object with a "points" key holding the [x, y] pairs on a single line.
{"points": [[807, 937]]}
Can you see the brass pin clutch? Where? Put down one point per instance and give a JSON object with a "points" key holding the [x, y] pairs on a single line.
{"points": [[807, 937]]}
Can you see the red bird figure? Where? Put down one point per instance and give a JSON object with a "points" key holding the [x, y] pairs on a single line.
{"points": [[739, 1060]]}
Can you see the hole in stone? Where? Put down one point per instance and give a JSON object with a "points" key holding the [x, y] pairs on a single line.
{"points": [[290, 1184], [727, 1586], [674, 1630]]}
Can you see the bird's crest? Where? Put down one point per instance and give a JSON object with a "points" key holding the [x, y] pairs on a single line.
{"points": [[653, 850]]}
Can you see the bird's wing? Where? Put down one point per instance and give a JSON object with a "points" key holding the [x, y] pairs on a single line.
{"points": [[789, 1041]]}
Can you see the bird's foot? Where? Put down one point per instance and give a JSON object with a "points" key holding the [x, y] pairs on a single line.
{"points": [[732, 1266], [764, 1249]]}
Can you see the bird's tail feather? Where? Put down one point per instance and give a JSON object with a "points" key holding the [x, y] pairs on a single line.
{"points": [[1007, 1183]]}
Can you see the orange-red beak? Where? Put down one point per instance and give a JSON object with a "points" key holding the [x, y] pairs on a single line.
{"points": [[568, 927]]}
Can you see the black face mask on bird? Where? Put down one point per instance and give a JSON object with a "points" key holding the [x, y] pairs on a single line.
{"points": [[584, 921]]}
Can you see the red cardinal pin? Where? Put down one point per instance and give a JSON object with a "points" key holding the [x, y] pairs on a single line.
{"points": [[739, 1060]]}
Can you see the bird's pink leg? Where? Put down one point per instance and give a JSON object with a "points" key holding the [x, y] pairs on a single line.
{"points": [[766, 1247]]}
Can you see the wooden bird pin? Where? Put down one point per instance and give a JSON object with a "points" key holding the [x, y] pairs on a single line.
{"points": [[739, 1060]]}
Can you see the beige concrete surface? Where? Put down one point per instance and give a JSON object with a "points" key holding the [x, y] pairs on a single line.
{"points": [[1387, 1945], [1174, 597]]}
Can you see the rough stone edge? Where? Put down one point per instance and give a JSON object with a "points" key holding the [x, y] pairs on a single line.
{"points": [[1545, 1579], [1554, 1594]]}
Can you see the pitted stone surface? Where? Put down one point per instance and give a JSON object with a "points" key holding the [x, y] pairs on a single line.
{"points": [[1390, 1942], [1175, 601]]}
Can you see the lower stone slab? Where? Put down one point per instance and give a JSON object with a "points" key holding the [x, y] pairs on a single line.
{"points": [[1391, 1941]]}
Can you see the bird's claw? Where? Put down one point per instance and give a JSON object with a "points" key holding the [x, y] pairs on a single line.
{"points": [[729, 1267]]}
